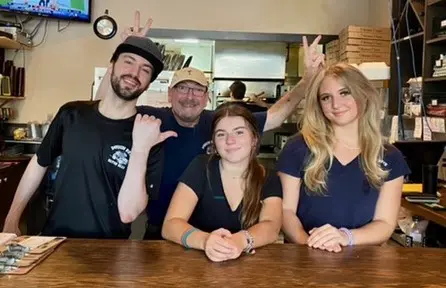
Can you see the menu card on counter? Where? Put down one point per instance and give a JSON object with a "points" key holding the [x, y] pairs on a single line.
{"points": [[19, 255]]}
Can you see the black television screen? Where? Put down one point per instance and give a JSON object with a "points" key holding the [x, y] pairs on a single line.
{"points": [[75, 10]]}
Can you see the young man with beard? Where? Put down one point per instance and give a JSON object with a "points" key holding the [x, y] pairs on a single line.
{"points": [[111, 163], [188, 95]]}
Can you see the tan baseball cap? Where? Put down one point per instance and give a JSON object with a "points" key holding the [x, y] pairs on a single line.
{"points": [[189, 74]]}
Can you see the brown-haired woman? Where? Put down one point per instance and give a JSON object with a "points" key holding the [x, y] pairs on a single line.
{"points": [[227, 203]]}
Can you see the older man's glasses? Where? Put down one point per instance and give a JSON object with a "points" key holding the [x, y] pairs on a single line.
{"points": [[198, 92]]}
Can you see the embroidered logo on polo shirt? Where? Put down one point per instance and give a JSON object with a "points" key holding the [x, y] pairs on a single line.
{"points": [[120, 156], [382, 162]]}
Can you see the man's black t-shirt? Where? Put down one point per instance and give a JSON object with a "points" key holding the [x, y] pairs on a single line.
{"points": [[95, 151], [213, 211]]}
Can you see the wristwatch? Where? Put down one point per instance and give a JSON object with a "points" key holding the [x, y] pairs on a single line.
{"points": [[249, 248]]}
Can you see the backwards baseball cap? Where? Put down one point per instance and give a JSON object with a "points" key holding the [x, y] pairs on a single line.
{"points": [[145, 48], [189, 74]]}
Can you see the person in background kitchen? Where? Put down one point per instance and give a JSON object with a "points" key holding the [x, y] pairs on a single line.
{"points": [[227, 203], [111, 161], [188, 95], [237, 92], [341, 183]]}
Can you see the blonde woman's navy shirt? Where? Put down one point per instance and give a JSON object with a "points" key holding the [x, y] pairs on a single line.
{"points": [[350, 200]]}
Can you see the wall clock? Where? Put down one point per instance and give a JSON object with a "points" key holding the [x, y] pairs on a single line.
{"points": [[105, 27]]}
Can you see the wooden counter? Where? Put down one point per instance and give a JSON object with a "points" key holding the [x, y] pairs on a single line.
{"points": [[17, 158], [125, 263], [436, 216]]}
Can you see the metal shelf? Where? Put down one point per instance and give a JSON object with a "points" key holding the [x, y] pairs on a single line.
{"points": [[436, 40], [416, 35], [5, 99], [435, 79], [434, 2], [25, 141]]}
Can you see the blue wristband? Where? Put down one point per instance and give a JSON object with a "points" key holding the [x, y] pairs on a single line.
{"points": [[186, 235], [349, 235]]}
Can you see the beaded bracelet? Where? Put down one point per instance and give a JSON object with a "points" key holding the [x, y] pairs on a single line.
{"points": [[249, 249], [349, 235]]}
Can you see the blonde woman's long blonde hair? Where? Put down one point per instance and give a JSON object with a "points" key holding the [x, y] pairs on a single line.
{"points": [[319, 135]]}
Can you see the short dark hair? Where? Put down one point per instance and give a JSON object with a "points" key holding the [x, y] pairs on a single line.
{"points": [[238, 89]]}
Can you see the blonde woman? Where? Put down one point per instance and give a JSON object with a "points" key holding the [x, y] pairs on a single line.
{"points": [[341, 183]]}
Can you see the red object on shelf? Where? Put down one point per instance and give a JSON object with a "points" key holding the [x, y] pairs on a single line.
{"points": [[437, 110]]}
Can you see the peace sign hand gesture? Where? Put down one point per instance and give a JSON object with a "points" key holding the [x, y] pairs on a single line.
{"points": [[313, 60], [136, 29]]}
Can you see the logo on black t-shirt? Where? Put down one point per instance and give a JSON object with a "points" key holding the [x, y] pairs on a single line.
{"points": [[120, 156]]}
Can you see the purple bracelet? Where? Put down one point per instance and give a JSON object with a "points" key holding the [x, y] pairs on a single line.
{"points": [[349, 235]]}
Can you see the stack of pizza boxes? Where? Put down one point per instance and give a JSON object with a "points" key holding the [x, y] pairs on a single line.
{"points": [[359, 44]]}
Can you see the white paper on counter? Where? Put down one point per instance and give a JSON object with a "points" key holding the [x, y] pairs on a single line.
{"points": [[436, 125], [439, 125], [432, 125], [416, 109], [418, 131], [427, 133]]}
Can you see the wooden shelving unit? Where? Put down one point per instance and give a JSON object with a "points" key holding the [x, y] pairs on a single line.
{"points": [[7, 43], [435, 2], [409, 21], [435, 44], [420, 16], [434, 79], [6, 99], [436, 40]]}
